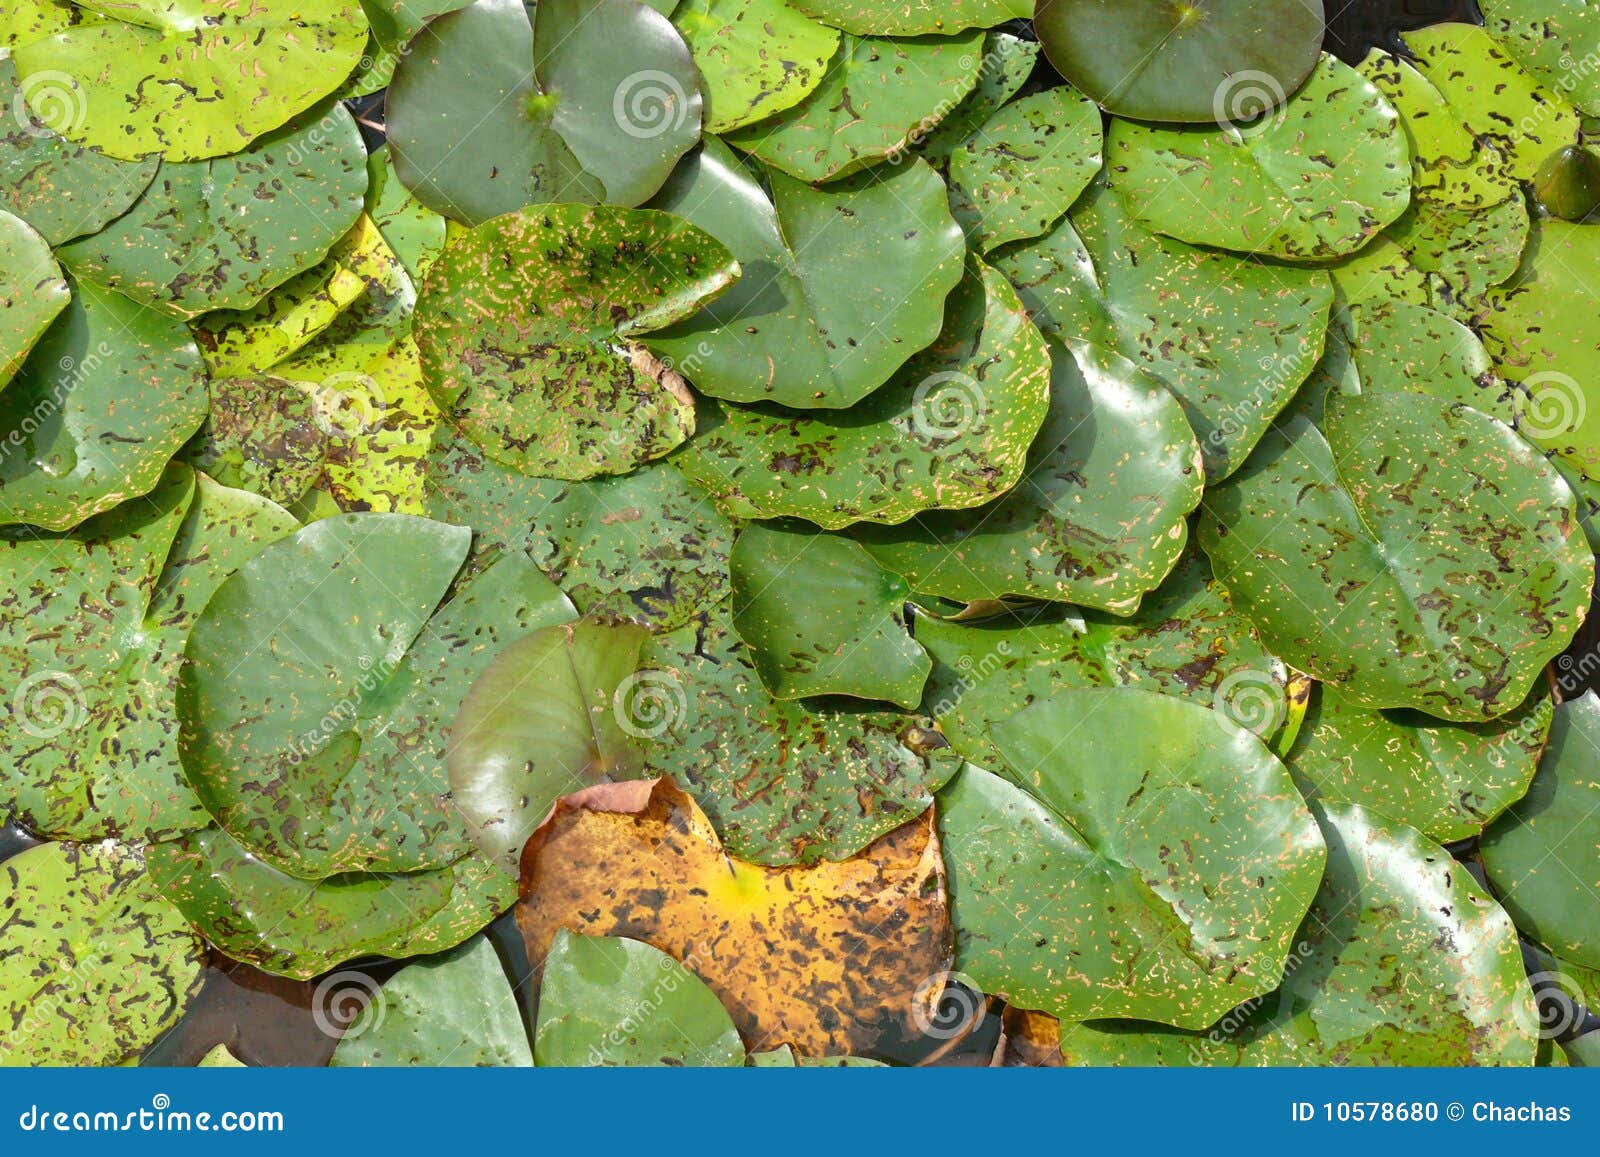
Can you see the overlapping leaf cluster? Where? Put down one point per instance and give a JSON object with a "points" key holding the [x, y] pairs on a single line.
{"points": [[827, 509]]}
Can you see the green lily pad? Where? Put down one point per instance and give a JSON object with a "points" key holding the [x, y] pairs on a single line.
{"points": [[109, 394], [1464, 252], [951, 430], [1367, 556], [393, 24], [415, 232], [61, 188], [546, 718], [1205, 61], [319, 688], [300, 928], [1144, 856], [499, 106], [457, 1009], [1379, 273], [877, 96], [913, 17], [1540, 857], [1556, 40], [188, 79], [1319, 179], [32, 291], [1401, 346], [614, 1001], [1447, 780], [756, 57], [1402, 961], [1008, 61], [643, 546], [822, 618], [839, 286], [221, 234], [1099, 516], [92, 636], [24, 21], [1231, 338], [262, 435], [1025, 167], [554, 388], [1185, 640], [783, 782], [94, 964]]}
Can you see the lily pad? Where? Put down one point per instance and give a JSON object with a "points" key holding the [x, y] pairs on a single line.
{"points": [[757, 57], [1099, 516], [913, 17], [1319, 179], [188, 79], [394, 25], [500, 106], [61, 188], [952, 429], [32, 291], [613, 1001], [838, 286], [1541, 856], [784, 782], [554, 388], [457, 1009], [1026, 166], [1208, 60], [262, 435], [94, 964], [821, 618], [415, 232], [221, 234], [1550, 38], [109, 394], [1231, 338], [877, 96], [1007, 63], [1366, 556], [1464, 252], [1068, 889]]}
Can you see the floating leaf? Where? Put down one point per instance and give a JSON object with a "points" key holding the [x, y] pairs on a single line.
{"points": [[951, 429], [499, 105], [1463, 251], [1006, 65], [1556, 40], [838, 286], [821, 618], [778, 946], [94, 965], [1144, 856], [615, 1001], [554, 388], [1201, 61], [757, 57], [32, 291], [878, 95], [1320, 177], [188, 80], [1367, 556], [913, 17], [414, 231], [264, 435], [394, 24]]}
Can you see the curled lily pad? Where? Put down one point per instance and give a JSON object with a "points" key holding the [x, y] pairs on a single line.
{"points": [[553, 388], [227, 74], [1209, 60], [838, 286], [1556, 40], [913, 17], [107, 397], [822, 618], [642, 546], [1231, 338], [1541, 856], [94, 964], [221, 234], [1403, 960], [1008, 61], [1568, 183], [61, 188], [878, 95], [32, 291], [1026, 166], [501, 105], [295, 927], [1366, 556], [1068, 889], [589, 997], [757, 58], [784, 782], [1099, 516], [951, 429], [1320, 178], [92, 750], [1447, 780]]}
